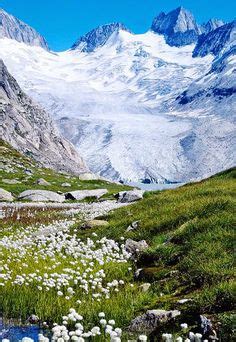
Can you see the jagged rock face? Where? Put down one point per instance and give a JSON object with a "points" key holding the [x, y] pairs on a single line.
{"points": [[216, 41], [211, 25], [30, 129], [13, 28], [179, 27], [97, 37]]}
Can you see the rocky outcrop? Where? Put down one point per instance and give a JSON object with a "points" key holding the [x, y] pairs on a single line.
{"points": [[97, 37], [211, 25], [149, 321], [79, 195], [129, 196], [5, 195], [41, 196], [135, 247], [216, 41], [30, 130], [178, 26], [13, 28]]}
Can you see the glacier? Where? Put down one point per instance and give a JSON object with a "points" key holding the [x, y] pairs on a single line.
{"points": [[135, 107]]}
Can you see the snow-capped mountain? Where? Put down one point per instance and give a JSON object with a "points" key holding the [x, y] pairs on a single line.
{"points": [[216, 41], [13, 28], [178, 26], [126, 105], [30, 129], [97, 37]]}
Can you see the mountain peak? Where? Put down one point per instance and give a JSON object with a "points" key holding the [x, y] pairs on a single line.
{"points": [[13, 28], [211, 25], [217, 41], [178, 26], [97, 37]]}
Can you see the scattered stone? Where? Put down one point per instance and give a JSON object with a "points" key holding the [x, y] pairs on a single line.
{"points": [[66, 184], [145, 287], [33, 319], [129, 196], [94, 223], [137, 273], [28, 172], [184, 300], [133, 226], [5, 195], [41, 196], [88, 176], [11, 181], [206, 325], [82, 194], [134, 247], [149, 321], [42, 181]]}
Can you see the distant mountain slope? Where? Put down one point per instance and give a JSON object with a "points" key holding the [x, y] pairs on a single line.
{"points": [[30, 129], [97, 37], [216, 41], [211, 25], [13, 28]]}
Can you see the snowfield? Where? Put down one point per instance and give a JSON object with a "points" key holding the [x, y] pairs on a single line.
{"points": [[117, 105]]}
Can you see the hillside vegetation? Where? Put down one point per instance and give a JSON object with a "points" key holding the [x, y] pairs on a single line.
{"points": [[189, 231], [14, 165]]}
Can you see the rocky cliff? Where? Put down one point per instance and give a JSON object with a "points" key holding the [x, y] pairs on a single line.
{"points": [[29, 129], [13, 28]]}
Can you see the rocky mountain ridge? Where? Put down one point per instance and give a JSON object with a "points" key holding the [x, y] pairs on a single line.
{"points": [[13, 28]]}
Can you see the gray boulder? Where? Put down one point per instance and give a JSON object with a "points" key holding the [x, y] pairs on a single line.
{"points": [[129, 196], [149, 321], [134, 247], [145, 287], [66, 185], [88, 176], [79, 195], [133, 226], [42, 181], [5, 195], [41, 196]]}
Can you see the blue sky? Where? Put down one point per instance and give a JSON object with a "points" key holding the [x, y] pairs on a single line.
{"points": [[61, 22]]}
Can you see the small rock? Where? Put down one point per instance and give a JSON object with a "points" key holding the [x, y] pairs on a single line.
{"points": [[133, 226], [134, 247], [82, 194], [33, 319], [145, 287], [152, 319], [137, 273], [94, 223], [11, 181], [66, 184], [5, 195], [184, 300], [88, 176], [129, 196], [28, 172], [42, 181]]}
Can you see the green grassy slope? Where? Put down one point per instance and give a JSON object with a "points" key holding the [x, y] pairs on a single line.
{"points": [[190, 231], [13, 165]]}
